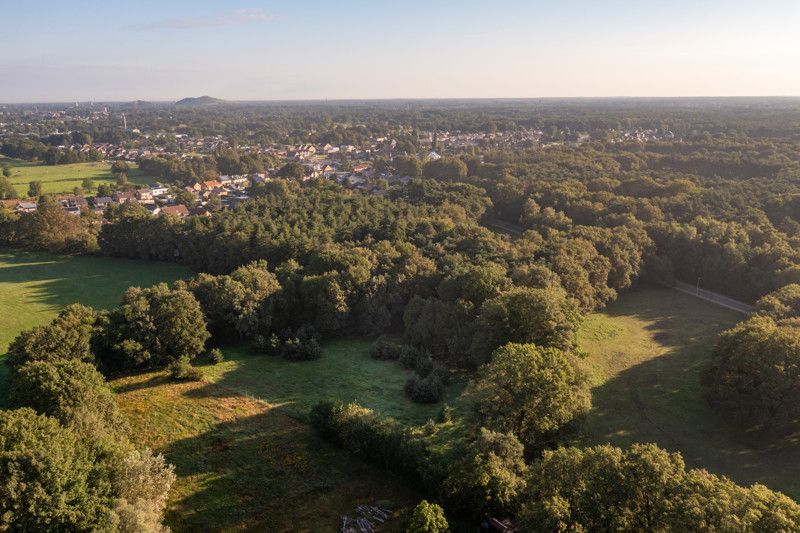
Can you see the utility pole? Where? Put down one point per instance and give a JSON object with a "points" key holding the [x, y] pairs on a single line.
{"points": [[698, 286]]}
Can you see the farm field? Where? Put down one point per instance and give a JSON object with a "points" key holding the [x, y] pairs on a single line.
{"points": [[646, 352], [344, 372], [34, 287], [242, 464], [64, 178]]}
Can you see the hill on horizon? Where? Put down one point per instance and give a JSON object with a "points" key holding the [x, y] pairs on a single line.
{"points": [[199, 101]]}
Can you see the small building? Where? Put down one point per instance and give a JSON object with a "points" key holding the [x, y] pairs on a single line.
{"points": [[179, 210]]}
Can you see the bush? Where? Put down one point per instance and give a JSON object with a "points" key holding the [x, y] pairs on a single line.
{"points": [[427, 518], [269, 345], [428, 389], [385, 350], [216, 356], [182, 370], [297, 349]]}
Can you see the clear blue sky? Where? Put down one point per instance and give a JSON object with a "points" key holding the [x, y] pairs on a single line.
{"points": [[253, 50]]}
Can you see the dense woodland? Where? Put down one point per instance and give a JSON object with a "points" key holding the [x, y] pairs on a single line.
{"points": [[419, 270]]}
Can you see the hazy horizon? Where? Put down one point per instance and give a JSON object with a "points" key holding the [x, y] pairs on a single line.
{"points": [[356, 50]]}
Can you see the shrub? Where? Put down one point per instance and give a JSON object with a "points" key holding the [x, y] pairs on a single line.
{"points": [[216, 356], [182, 370], [427, 518], [428, 389], [297, 349], [269, 345], [384, 349]]}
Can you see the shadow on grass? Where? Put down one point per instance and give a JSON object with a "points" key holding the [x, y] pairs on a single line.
{"points": [[268, 472], [58, 280], [659, 399]]}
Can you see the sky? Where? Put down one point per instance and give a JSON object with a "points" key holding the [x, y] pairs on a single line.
{"points": [[57, 51]]}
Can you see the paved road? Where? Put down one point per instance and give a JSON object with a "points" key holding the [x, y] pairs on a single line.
{"points": [[713, 297]]}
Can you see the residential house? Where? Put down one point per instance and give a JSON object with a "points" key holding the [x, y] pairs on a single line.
{"points": [[179, 210], [25, 207], [125, 196]]}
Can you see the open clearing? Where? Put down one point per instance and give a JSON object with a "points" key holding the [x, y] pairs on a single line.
{"points": [[645, 353], [34, 287], [64, 178], [244, 465], [344, 372]]}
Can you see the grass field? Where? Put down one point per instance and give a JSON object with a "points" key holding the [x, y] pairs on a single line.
{"points": [[645, 352], [344, 372], [34, 287], [244, 465], [64, 178]]}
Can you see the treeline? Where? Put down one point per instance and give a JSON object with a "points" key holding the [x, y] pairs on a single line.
{"points": [[32, 149], [735, 226]]}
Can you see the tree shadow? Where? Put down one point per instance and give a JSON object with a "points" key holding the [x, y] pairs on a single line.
{"points": [[265, 471], [660, 399]]}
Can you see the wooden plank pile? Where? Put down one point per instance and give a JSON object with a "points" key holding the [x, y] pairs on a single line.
{"points": [[370, 515]]}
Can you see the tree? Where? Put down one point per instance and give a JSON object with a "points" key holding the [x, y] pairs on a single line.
{"points": [[427, 518], [7, 190], [546, 317], [87, 184], [52, 481], [6, 170], [68, 337], [154, 326], [407, 165], [643, 489], [490, 479], [754, 375], [446, 168], [120, 167], [782, 303], [71, 391], [35, 189], [292, 170], [530, 391]]}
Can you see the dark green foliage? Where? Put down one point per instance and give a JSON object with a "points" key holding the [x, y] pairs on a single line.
{"points": [[547, 317], [780, 304], [71, 391], [52, 481], [154, 326], [489, 479], [385, 349], [67, 337], [181, 369], [754, 376], [428, 389], [644, 489], [529, 391]]}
